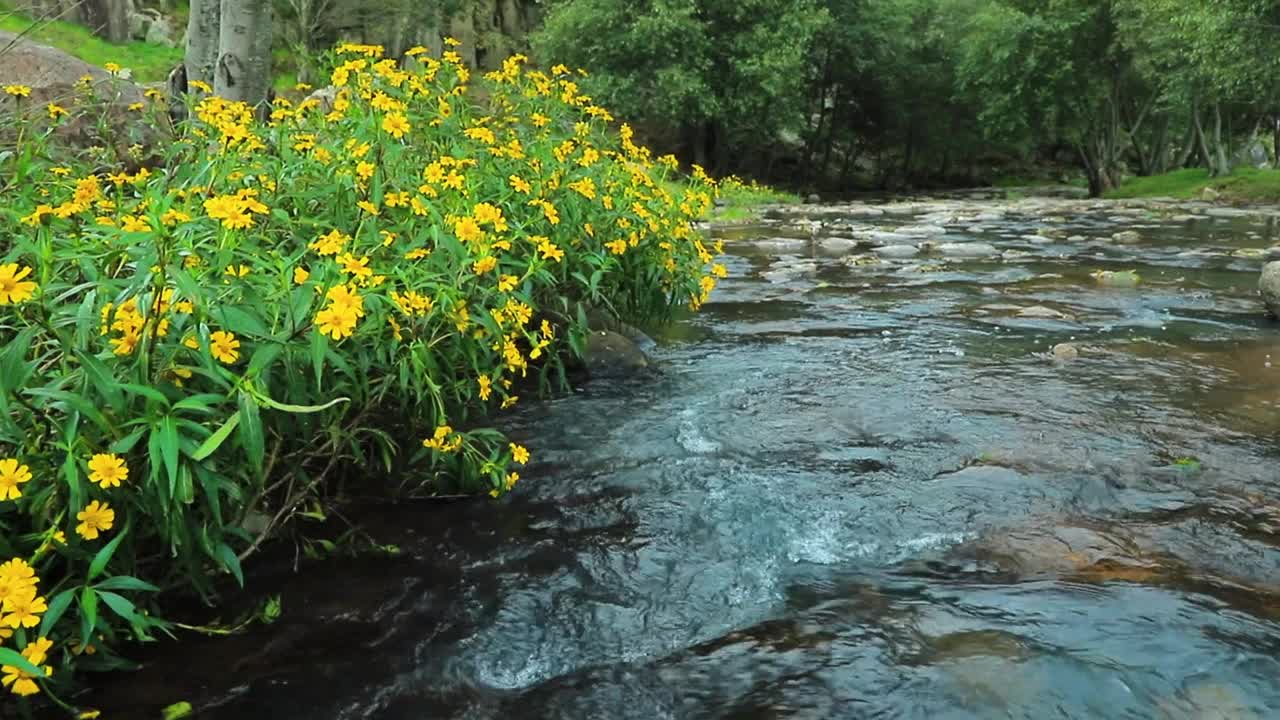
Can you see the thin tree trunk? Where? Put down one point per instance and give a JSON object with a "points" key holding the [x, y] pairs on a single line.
{"points": [[243, 71], [202, 40]]}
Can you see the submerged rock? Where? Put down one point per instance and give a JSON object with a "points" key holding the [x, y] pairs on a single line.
{"points": [[1042, 312], [1065, 352], [1116, 278], [1127, 237], [968, 249], [1269, 287], [609, 354], [897, 251]]}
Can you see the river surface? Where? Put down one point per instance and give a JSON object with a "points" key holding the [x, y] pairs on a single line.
{"points": [[970, 483]]}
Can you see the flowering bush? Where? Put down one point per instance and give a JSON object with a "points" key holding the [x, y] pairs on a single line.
{"points": [[206, 347]]}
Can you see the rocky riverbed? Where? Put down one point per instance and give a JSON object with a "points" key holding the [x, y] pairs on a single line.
{"points": [[957, 457]]}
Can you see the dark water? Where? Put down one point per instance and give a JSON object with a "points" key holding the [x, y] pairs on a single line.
{"points": [[852, 490]]}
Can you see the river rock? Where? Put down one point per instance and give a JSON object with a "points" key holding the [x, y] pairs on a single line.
{"points": [[609, 354], [881, 237], [1042, 312], [1269, 287], [1127, 237], [922, 230], [1038, 239], [837, 244], [1117, 278], [813, 199], [968, 249], [1065, 351], [1226, 212], [897, 251]]}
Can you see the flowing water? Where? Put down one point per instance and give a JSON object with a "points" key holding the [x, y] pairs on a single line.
{"points": [[952, 485]]}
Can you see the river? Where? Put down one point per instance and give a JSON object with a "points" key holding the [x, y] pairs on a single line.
{"points": [[968, 482]]}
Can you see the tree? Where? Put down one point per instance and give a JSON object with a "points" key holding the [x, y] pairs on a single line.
{"points": [[229, 48], [728, 75]]}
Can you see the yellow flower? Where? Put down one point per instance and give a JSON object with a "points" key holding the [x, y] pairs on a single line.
{"points": [[300, 275], [550, 251], [367, 206], [12, 474], [107, 469], [55, 111], [23, 608], [484, 264], [353, 266], [21, 682], [13, 289], [617, 247], [467, 230], [173, 217], [336, 322], [510, 481], [486, 386], [452, 42], [396, 125], [111, 68], [510, 400], [507, 283], [519, 454], [519, 185], [417, 254], [236, 271], [365, 169], [16, 576], [224, 346], [129, 223], [17, 90], [95, 518], [329, 244]]}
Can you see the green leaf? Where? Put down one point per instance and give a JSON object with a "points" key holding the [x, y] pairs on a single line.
{"points": [[126, 443], [57, 606], [100, 379], [229, 561], [120, 605], [104, 555], [122, 582], [251, 438], [88, 614], [214, 441], [11, 657], [177, 711], [149, 393], [241, 322], [268, 402], [168, 430]]}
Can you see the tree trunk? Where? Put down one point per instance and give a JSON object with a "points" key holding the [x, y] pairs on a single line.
{"points": [[201, 54], [108, 19], [243, 71]]}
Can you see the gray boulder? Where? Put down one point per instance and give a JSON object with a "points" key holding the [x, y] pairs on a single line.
{"points": [[611, 354], [1269, 287]]}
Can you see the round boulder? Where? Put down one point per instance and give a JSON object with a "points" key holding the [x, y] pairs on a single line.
{"points": [[611, 354], [1269, 287]]}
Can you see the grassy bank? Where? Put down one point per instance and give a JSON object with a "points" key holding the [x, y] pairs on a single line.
{"points": [[740, 200], [1243, 185], [149, 63]]}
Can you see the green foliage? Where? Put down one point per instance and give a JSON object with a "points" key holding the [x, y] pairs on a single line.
{"points": [[1242, 185], [191, 356], [149, 63], [728, 73]]}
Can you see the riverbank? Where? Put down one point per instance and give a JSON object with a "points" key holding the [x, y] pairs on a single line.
{"points": [[729, 516], [1245, 185]]}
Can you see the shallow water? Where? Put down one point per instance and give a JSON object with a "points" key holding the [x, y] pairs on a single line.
{"points": [[853, 489]]}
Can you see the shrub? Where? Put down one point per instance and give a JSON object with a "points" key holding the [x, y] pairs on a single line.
{"points": [[194, 352]]}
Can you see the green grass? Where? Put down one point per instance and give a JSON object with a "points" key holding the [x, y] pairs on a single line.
{"points": [[149, 63], [1242, 185]]}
